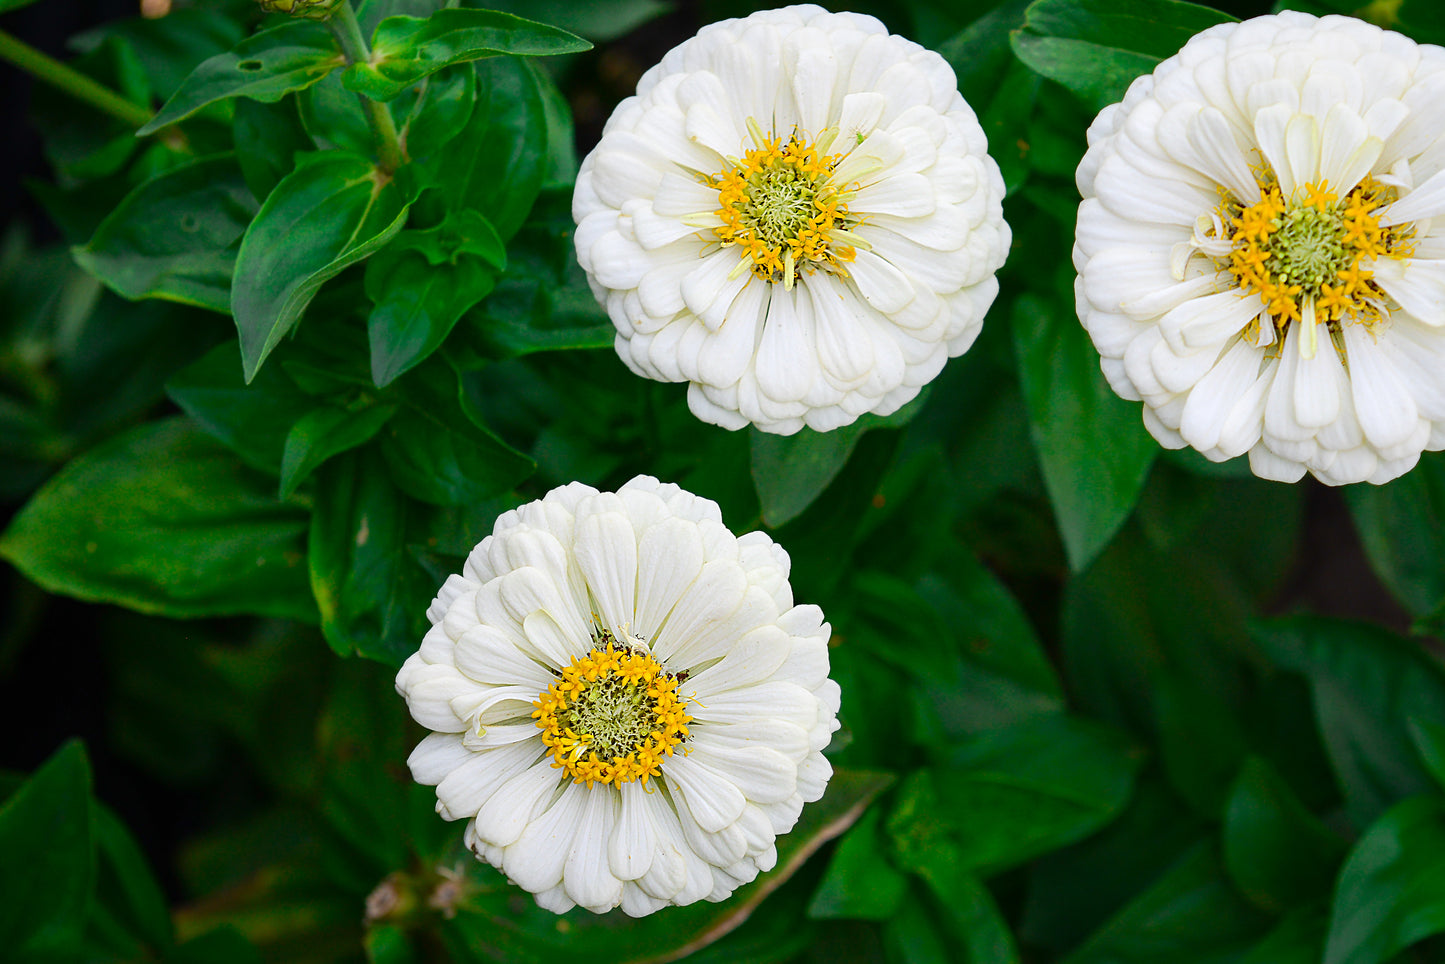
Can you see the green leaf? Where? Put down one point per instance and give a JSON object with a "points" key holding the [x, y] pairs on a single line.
{"points": [[790, 471], [618, 18], [1201, 742], [1299, 939], [496, 165], [441, 112], [47, 855], [174, 237], [1094, 451], [520, 932], [251, 420], [1367, 685], [164, 520], [387, 944], [431, 461], [371, 594], [1097, 47], [7, 5], [323, 432], [126, 883], [1190, 915], [1276, 851], [267, 137], [969, 914], [1010, 795], [406, 49], [1402, 526], [860, 882], [422, 284], [1430, 742], [334, 210], [1392, 888], [266, 67]]}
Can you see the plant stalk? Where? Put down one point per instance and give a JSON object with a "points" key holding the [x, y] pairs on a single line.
{"points": [[71, 81], [353, 47]]}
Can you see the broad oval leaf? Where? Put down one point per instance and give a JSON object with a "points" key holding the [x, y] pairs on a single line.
{"points": [[1368, 685], [47, 873], [1392, 888], [1276, 851], [1097, 47], [335, 209], [323, 432], [165, 520], [174, 237], [406, 49], [265, 66], [1094, 451], [1402, 526]]}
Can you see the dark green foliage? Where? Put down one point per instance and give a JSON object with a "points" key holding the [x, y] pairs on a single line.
{"points": [[1102, 704]]}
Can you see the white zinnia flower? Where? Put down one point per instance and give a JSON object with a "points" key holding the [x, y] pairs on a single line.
{"points": [[1261, 247], [628, 707], [795, 214]]}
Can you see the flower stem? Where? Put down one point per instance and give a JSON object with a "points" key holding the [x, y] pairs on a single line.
{"points": [[353, 47], [72, 81]]}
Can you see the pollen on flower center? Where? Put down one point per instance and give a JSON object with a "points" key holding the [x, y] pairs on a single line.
{"points": [[612, 717], [780, 204], [1304, 254]]}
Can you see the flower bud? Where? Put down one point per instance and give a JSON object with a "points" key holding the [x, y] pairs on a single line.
{"points": [[310, 9]]}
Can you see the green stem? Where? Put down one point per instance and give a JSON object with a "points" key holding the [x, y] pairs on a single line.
{"points": [[72, 81], [353, 47]]}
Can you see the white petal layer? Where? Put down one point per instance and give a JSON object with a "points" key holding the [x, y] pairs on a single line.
{"points": [[653, 565], [1311, 99], [925, 205]]}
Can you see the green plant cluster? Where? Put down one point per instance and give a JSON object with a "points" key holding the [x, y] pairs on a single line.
{"points": [[318, 321]]}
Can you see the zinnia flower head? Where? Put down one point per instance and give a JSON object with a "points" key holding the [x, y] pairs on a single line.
{"points": [[1261, 247], [627, 706], [797, 215]]}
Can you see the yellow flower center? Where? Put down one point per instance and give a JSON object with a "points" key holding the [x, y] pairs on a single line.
{"points": [[780, 205], [1303, 255], [612, 717]]}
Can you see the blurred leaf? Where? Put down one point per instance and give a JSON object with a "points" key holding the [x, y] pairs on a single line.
{"points": [[1402, 526], [1074, 891], [1097, 47], [1430, 742], [251, 420], [1094, 451], [421, 285], [915, 937], [1298, 939], [174, 236], [224, 945], [1201, 741], [47, 855], [860, 882], [1190, 915], [387, 944], [326, 431], [968, 913], [7, 5], [406, 49], [266, 67], [267, 137], [1367, 685], [170, 46], [790, 471], [496, 165], [164, 520], [980, 53], [1275, 850], [371, 594], [125, 882], [522, 933], [1392, 889], [1007, 796], [334, 210], [597, 23]]}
